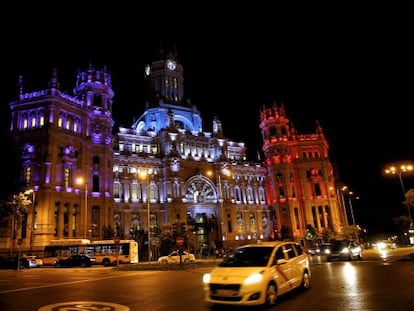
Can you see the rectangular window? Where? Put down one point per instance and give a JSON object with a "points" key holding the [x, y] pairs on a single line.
{"points": [[116, 189], [68, 177], [134, 191]]}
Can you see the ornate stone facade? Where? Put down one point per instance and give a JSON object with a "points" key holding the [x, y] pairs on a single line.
{"points": [[165, 170]]}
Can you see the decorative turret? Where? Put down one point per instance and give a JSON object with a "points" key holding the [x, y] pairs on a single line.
{"points": [[54, 84], [95, 86], [217, 129], [274, 122], [20, 88]]}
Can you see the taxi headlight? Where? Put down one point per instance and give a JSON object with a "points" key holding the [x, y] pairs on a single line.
{"points": [[206, 278], [254, 278]]}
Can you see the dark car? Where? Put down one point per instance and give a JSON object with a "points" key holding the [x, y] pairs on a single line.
{"points": [[10, 262], [74, 261], [343, 250], [324, 248]]}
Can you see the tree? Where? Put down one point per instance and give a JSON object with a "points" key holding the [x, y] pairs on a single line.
{"points": [[15, 211], [327, 234], [409, 202], [403, 223], [311, 235]]}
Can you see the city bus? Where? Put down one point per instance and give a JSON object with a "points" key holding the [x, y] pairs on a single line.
{"points": [[103, 252]]}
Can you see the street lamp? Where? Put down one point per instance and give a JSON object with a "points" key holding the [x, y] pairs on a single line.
{"points": [[342, 202], [32, 225], [81, 181], [345, 190], [225, 172], [350, 194], [145, 174], [399, 171]]}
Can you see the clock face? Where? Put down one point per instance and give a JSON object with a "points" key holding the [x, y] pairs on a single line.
{"points": [[171, 64], [148, 70]]}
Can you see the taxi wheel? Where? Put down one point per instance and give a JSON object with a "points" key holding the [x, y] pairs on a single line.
{"points": [[305, 280], [271, 295]]}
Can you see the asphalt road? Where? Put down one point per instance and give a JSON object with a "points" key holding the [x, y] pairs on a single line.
{"points": [[380, 282]]}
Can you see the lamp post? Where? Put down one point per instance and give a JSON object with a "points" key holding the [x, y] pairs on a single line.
{"points": [[81, 181], [354, 228], [32, 225], [342, 202], [145, 174], [225, 172], [399, 171], [221, 199], [350, 194]]}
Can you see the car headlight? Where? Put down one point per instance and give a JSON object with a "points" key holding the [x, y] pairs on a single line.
{"points": [[327, 251], [345, 250], [206, 278], [254, 278], [381, 245]]}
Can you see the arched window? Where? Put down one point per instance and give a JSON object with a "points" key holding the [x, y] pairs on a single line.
{"points": [[262, 196], [61, 120], [249, 192], [25, 121], [33, 120], [77, 126], [68, 123], [238, 193], [41, 116]]}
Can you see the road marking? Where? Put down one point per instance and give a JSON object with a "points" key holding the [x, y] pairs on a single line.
{"points": [[84, 306], [73, 282]]}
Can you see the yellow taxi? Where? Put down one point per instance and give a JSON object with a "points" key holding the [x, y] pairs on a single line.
{"points": [[256, 274]]}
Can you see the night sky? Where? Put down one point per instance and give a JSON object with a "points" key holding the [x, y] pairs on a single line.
{"points": [[351, 70]]}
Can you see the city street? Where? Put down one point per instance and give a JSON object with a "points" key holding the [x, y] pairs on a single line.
{"points": [[378, 282]]}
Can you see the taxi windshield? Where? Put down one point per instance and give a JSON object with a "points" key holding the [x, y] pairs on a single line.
{"points": [[248, 257]]}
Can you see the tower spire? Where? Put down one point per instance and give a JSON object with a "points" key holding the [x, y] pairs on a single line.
{"points": [[54, 83]]}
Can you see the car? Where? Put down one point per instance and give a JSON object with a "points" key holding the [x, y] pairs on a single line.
{"points": [[343, 250], [174, 257], [323, 248], [78, 260], [384, 244], [256, 274], [312, 251], [33, 261]]}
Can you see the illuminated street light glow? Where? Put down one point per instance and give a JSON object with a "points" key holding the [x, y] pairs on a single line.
{"points": [[82, 181], [32, 225], [399, 171], [145, 174]]}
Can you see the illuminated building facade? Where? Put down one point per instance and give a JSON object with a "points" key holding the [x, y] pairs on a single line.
{"points": [[194, 178], [300, 178]]}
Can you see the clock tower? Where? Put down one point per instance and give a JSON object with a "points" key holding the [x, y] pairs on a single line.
{"points": [[165, 80]]}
